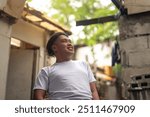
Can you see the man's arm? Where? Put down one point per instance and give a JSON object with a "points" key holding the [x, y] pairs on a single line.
{"points": [[94, 91], [39, 94]]}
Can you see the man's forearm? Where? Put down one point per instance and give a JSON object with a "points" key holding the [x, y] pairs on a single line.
{"points": [[39, 94], [95, 95]]}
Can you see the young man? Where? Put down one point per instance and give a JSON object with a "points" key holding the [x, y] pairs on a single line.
{"points": [[66, 79]]}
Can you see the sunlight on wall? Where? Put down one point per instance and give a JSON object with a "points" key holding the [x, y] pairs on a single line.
{"points": [[102, 55], [15, 42]]}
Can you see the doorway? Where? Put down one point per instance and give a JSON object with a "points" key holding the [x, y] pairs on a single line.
{"points": [[23, 63]]}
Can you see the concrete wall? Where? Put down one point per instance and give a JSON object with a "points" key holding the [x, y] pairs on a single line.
{"points": [[33, 35], [135, 44], [29, 33], [135, 49], [137, 6], [4, 55], [26, 32], [20, 73], [23, 31], [12, 7]]}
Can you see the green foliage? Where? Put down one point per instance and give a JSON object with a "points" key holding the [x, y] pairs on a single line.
{"points": [[69, 11], [86, 9], [28, 0]]}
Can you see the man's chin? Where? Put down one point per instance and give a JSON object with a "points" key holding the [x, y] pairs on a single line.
{"points": [[71, 53]]}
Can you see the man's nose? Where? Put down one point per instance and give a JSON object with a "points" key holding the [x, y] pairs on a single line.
{"points": [[69, 43]]}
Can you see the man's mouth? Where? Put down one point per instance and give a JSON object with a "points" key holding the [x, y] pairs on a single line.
{"points": [[70, 48]]}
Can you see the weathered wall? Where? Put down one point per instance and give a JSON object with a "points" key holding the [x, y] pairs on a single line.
{"points": [[135, 50], [137, 6], [13, 8], [20, 73], [4, 55], [28, 33]]}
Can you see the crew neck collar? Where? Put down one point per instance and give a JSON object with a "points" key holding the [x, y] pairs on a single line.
{"points": [[63, 62]]}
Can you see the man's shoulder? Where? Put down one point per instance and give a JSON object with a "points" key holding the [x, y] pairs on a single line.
{"points": [[47, 68]]}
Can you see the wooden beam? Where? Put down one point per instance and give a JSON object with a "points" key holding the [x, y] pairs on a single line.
{"points": [[38, 14]]}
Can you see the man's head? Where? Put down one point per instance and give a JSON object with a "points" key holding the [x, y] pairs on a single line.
{"points": [[59, 43]]}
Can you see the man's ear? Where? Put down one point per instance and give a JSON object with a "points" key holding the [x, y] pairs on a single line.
{"points": [[54, 48]]}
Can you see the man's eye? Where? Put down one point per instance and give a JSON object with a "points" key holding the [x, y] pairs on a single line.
{"points": [[64, 40]]}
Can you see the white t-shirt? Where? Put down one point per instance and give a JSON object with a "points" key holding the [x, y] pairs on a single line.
{"points": [[66, 80]]}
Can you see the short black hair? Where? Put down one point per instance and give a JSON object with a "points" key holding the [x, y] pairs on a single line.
{"points": [[51, 41]]}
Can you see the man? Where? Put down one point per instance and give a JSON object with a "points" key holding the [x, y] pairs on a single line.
{"points": [[66, 79]]}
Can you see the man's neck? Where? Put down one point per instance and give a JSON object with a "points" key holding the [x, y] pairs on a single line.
{"points": [[63, 60]]}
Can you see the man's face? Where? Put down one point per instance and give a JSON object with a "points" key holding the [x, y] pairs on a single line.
{"points": [[63, 46]]}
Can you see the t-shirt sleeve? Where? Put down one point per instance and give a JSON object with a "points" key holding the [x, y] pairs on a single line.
{"points": [[90, 73], [41, 81]]}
